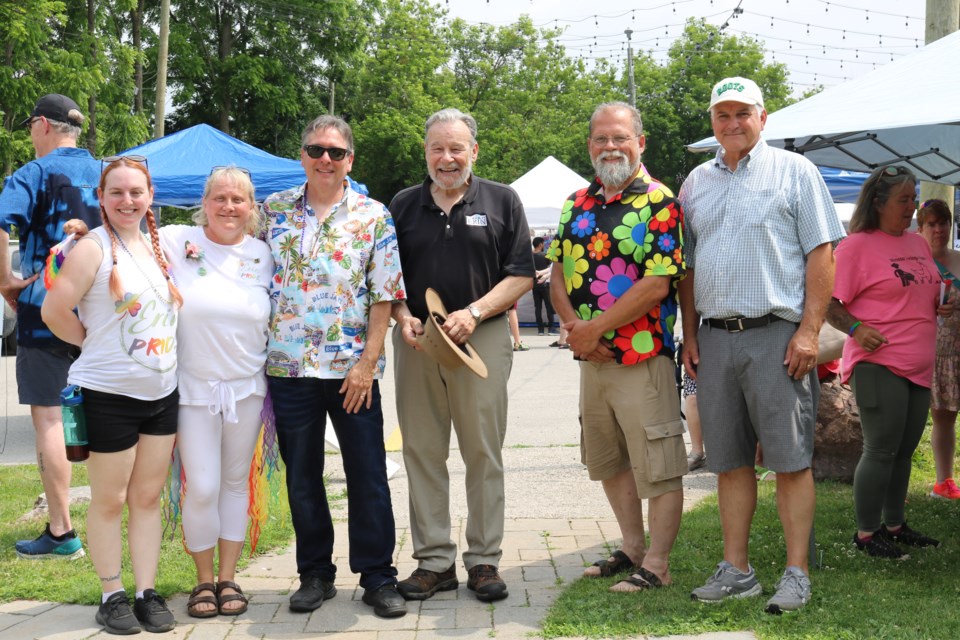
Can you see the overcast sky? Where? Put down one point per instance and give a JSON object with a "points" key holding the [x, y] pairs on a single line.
{"points": [[820, 42]]}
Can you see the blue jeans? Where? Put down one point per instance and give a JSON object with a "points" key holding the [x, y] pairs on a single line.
{"points": [[301, 406]]}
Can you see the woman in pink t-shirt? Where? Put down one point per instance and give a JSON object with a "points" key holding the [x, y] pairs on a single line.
{"points": [[886, 297]]}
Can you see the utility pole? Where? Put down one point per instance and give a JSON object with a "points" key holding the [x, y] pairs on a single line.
{"points": [[162, 68], [632, 87], [942, 19]]}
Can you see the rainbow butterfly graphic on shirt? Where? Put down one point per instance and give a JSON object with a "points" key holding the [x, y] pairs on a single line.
{"points": [[129, 305]]}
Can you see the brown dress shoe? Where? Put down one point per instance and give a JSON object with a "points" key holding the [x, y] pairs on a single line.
{"points": [[423, 583], [485, 580]]}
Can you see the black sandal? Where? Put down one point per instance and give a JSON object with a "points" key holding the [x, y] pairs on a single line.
{"points": [[618, 562], [642, 578], [196, 599], [231, 597]]}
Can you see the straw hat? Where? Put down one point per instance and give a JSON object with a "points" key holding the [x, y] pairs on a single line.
{"points": [[438, 345]]}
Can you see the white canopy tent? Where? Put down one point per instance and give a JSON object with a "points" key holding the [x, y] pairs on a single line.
{"points": [[904, 113], [544, 189]]}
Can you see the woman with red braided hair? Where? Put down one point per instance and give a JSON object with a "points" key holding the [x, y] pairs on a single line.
{"points": [[118, 280]]}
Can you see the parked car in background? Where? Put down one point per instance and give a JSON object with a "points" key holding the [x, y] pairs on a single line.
{"points": [[9, 345]]}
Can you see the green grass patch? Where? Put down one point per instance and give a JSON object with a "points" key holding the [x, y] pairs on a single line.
{"points": [[76, 581], [854, 596]]}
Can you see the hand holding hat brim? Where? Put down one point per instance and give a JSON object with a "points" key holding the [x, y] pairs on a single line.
{"points": [[440, 346]]}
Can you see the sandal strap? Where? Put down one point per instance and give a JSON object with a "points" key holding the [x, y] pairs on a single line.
{"points": [[644, 579], [616, 563], [650, 577], [232, 597], [227, 584], [203, 586]]}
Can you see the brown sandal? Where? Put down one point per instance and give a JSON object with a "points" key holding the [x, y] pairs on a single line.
{"points": [[197, 599], [231, 597]]}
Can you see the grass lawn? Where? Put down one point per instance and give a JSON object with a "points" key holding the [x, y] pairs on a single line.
{"points": [[854, 596], [75, 581]]}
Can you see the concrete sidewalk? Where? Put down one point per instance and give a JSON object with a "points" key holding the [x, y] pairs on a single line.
{"points": [[557, 521], [541, 557]]}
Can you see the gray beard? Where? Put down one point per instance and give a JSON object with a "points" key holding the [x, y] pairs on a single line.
{"points": [[616, 174], [459, 182]]}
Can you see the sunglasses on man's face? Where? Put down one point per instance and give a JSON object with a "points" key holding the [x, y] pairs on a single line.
{"points": [[316, 152]]}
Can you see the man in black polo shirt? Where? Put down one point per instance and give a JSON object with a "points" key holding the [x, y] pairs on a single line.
{"points": [[467, 238]]}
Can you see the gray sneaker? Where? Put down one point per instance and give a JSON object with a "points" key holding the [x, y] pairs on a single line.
{"points": [[727, 582], [793, 591]]}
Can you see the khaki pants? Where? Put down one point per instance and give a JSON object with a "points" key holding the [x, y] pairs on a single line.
{"points": [[429, 397]]}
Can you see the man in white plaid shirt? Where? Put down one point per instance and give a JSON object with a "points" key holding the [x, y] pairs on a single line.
{"points": [[760, 227]]}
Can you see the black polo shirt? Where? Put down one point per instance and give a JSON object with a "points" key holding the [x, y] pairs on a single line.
{"points": [[485, 240]]}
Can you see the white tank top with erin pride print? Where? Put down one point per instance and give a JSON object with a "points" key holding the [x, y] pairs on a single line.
{"points": [[131, 346]]}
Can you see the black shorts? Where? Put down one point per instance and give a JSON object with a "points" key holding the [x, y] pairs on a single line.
{"points": [[115, 422]]}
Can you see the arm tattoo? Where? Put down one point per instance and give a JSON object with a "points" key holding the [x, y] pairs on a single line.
{"points": [[110, 578]]}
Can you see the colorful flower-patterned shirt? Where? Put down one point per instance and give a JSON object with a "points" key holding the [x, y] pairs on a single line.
{"points": [[605, 247], [326, 279]]}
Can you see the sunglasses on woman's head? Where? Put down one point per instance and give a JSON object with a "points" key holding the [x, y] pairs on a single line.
{"points": [[131, 158], [230, 166], [892, 171]]}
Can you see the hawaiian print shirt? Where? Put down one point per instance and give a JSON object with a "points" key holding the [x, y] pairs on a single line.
{"points": [[605, 247], [325, 281]]}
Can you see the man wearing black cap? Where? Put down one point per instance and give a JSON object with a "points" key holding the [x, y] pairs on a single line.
{"points": [[60, 184]]}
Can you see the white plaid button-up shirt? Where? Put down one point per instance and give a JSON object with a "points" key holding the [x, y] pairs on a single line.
{"points": [[748, 232]]}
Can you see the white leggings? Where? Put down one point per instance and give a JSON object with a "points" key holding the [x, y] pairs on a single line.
{"points": [[216, 501]]}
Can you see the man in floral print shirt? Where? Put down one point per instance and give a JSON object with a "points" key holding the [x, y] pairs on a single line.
{"points": [[618, 255], [337, 276]]}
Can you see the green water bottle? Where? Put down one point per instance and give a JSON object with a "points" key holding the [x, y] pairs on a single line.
{"points": [[74, 424]]}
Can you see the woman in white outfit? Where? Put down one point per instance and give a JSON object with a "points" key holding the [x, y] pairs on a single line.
{"points": [[224, 275]]}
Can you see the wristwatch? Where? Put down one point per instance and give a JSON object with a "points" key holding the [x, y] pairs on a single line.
{"points": [[475, 312]]}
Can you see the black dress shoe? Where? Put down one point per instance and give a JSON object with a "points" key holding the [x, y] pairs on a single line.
{"points": [[311, 594], [386, 601]]}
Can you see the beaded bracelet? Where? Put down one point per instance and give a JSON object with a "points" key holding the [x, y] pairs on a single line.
{"points": [[853, 327]]}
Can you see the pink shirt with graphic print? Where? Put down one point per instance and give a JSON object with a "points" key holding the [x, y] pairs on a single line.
{"points": [[892, 284]]}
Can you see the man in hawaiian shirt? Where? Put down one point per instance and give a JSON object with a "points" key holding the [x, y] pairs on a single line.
{"points": [[40, 196], [337, 276], [761, 225], [467, 238], [618, 256]]}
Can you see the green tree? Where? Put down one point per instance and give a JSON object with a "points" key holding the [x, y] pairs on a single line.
{"points": [[254, 68], [675, 98], [529, 98], [399, 82]]}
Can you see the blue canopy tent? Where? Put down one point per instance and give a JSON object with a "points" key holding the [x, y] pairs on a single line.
{"points": [[180, 163], [844, 185]]}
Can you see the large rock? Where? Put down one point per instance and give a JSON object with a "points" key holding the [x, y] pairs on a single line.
{"points": [[78, 495], [839, 438]]}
